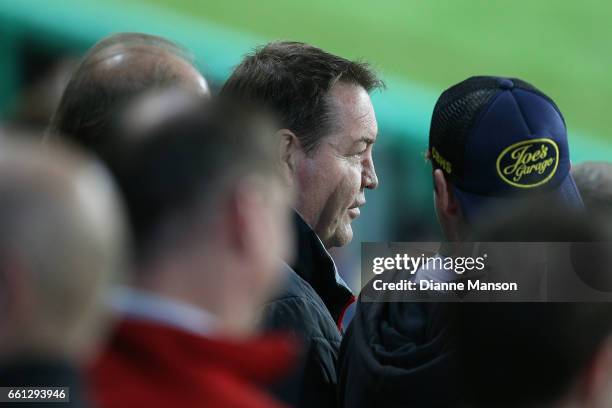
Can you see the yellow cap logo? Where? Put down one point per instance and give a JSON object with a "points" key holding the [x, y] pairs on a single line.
{"points": [[529, 163]]}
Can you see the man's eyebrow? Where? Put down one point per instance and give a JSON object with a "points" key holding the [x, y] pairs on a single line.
{"points": [[366, 139]]}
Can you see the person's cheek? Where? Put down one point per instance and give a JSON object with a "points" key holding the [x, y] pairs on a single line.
{"points": [[349, 185], [346, 195], [317, 181], [354, 179]]}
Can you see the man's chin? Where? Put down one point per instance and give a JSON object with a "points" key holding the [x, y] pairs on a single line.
{"points": [[342, 236]]}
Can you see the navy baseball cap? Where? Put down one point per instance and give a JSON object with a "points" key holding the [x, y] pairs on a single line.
{"points": [[499, 140]]}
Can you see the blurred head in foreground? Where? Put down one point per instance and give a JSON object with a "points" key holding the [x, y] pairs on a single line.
{"points": [[594, 181], [541, 354], [492, 143], [536, 354], [327, 128], [207, 206], [113, 71], [61, 240]]}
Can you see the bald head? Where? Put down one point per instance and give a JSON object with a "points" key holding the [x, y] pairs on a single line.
{"points": [[139, 62], [113, 72], [61, 240]]}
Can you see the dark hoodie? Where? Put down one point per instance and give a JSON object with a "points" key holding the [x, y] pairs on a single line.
{"points": [[397, 354]]}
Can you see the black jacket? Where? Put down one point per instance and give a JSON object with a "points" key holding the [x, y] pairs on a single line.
{"points": [[311, 306], [397, 354]]}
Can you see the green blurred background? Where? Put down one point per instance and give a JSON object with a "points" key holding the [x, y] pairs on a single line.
{"points": [[420, 48], [562, 46]]}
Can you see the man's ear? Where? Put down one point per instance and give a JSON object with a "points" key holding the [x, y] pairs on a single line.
{"points": [[245, 203], [289, 147], [446, 202]]}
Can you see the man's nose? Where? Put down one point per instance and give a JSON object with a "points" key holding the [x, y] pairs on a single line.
{"points": [[370, 179]]}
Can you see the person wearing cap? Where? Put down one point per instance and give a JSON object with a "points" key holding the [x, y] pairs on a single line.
{"points": [[493, 143]]}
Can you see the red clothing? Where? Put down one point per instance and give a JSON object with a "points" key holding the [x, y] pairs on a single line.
{"points": [[340, 322], [147, 364]]}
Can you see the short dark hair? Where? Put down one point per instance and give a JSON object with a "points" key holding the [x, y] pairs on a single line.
{"points": [[88, 107], [292, 79], [186, 161]]}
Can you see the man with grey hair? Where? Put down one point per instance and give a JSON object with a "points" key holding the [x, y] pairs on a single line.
{"points": [[115, 70], [62, 240], [594, 181]]}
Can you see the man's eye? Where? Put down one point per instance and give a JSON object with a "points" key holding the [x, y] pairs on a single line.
{"points": [[362, 151]]}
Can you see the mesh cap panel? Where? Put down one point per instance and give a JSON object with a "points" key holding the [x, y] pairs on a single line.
{"points": [[455, 115]]}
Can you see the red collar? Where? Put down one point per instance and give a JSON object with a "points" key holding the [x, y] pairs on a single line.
{"points": [[262, 359]]}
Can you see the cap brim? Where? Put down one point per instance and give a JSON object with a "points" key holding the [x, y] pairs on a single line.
{"points": [[473, 206]]}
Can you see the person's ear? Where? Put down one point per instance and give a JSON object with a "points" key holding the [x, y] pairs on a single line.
{"points": [[446, 201], [244, 211], [288, 153]]}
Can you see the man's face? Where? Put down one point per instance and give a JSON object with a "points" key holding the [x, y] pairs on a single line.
{"points": [[331, 180]]}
